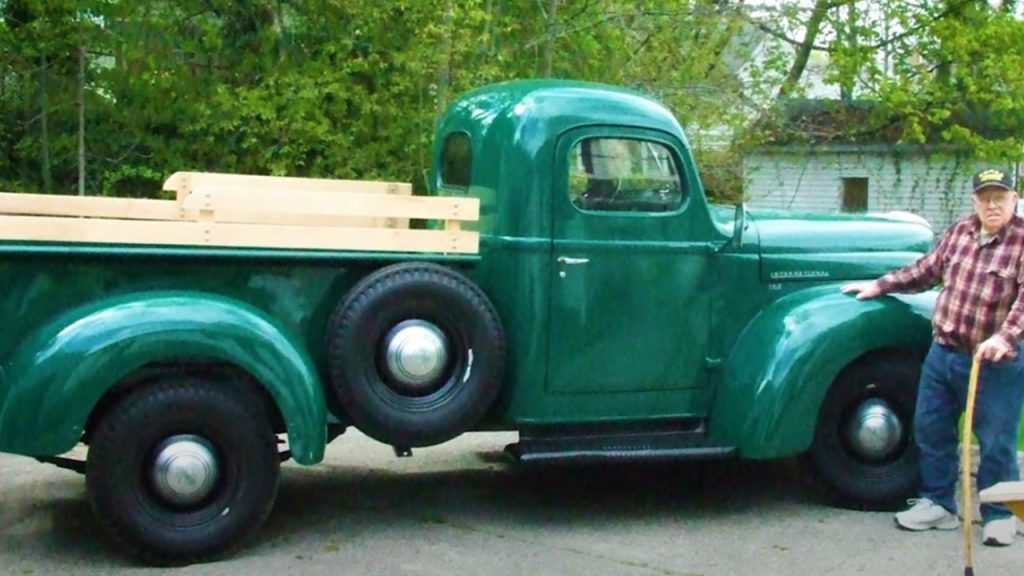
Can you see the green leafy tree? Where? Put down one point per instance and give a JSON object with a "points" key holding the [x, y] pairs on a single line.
{"points": [[110, 97]]}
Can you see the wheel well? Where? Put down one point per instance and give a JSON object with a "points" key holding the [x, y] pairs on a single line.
{"points": [[151, 374], [872, 356], [881, 354]]}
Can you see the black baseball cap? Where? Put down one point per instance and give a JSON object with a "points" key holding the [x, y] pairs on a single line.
{"points": [[993, 178]]}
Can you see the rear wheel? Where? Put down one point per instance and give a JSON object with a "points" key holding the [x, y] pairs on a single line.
{"points": [[863, 448], [183, 471]]}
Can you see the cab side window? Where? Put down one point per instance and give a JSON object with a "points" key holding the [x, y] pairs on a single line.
{"points": [[456, 160], [623, 175]]}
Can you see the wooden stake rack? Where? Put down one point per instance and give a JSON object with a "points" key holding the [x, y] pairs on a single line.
{"points": [[232, 210]]}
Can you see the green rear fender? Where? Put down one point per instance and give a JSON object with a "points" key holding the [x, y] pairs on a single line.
{"points": [[778, 373], [60, 372]]}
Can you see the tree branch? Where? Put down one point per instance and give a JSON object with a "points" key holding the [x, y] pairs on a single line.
{"points": [[803, 52], [608, 17], [950, 9]]}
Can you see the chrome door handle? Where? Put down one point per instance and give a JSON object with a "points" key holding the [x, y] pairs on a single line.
{"points": [[568, 260]]}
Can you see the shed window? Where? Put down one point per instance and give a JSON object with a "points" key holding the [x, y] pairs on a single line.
{"points": [[855, 195]]}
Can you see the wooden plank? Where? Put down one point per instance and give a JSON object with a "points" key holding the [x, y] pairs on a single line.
{"points": [[327, 238], [102, 230], [1009, 493], [88, 206], [187, 181], [1002, 492], [182, 186], [285, 219], [239, 205], [45, 228]]}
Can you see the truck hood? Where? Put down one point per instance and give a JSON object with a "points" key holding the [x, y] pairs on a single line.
{"points": [[833, 247]]}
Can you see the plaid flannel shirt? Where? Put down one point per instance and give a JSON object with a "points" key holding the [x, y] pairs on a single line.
{"points": [[982, 284]]}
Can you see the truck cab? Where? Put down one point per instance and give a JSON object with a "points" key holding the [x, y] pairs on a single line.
{"points": [[642, 319]]}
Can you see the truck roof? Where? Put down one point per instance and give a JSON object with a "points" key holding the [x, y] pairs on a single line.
{"points": [[514, 107], [509, 132]]}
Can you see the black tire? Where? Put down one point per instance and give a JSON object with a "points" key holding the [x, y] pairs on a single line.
{"points": [[449, 403], [887, 478], [120, 478]]}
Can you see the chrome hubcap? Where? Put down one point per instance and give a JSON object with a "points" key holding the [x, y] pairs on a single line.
{"points": [[875, 431], [416, 353], [185, 469]]}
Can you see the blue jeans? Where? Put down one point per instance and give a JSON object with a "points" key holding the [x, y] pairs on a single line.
{"points": [[941, 399]]}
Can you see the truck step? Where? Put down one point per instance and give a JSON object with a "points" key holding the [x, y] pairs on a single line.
{"points": [[594, 444]]}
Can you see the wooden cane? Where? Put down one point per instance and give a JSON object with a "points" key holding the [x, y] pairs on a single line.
{"points": [[965, 465]]}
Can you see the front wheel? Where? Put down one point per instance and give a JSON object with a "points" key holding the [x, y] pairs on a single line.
{"points": [[863, 448], [183, 471]]}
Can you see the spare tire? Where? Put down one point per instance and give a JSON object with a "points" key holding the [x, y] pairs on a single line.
{"points": [[416, 354]]}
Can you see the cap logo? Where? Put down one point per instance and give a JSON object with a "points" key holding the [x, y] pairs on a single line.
{"points": [[991, 176]]}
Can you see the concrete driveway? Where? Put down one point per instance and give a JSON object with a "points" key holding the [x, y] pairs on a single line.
{"points": [[459, 509]]}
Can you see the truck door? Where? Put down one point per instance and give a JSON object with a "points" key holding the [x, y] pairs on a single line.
{"points": [[629, 306]]}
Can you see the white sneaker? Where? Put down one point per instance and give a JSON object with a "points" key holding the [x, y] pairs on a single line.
{"points": [[924, 514], [1000, 532]]}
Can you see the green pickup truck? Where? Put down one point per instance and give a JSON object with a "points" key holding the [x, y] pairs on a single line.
{"points": [[585, 294]]}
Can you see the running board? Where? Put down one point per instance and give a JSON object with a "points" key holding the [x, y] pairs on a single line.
{"points": [[594, 445]]}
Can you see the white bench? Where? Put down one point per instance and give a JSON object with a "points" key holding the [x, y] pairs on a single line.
{"points": [[1009, 493]]}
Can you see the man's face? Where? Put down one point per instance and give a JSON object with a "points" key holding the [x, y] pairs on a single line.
{"points": [[994, 207]]}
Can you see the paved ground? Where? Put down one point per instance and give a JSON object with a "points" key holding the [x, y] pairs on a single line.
{"points": [[458, 509]]}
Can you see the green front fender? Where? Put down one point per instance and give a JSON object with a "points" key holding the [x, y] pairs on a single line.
{"points": [[781, 367], [61, 371]]}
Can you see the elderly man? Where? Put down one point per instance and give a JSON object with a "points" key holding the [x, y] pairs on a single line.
{"points": [[979, 315]]}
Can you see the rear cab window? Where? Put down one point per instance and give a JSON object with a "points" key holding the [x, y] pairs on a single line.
{"points": [[456, 161]]}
